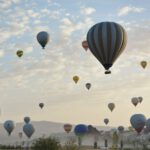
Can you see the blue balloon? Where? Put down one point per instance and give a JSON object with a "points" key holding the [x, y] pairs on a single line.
{"points": [[138, 122], [80, 129]]}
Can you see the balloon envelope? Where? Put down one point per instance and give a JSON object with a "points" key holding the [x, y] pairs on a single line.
{"points": [[111, 106], [138, 122], [19, 53], [75, 79], [120, 129], [140, 99], [43, 38], [143, 64], [135, 101], [26, 119], [88, 85], [9, 126], [106, 121], [106, 40], [80, 129], [41, 105], [67, 127], [28, 129]]}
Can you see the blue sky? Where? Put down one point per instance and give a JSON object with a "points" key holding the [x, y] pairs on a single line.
{"points": [[46, 75]]}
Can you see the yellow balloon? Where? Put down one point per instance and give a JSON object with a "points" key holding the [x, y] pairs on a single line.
{"points": [[143, 64], [75, 79]]}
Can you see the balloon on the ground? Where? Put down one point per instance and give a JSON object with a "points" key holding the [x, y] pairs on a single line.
{"points": [[135, 101], [26, 119], [19, 53], [111, 106], [138, 122], [143, 64], [88, 85], [85, 45], [107, 40], [28, 129], [106, 121], [9, 126], [41, 105], [76, 79], [43, 38], [67, 127]]}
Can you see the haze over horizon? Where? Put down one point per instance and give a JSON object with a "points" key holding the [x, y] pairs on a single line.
{"points": [[46, 75]]}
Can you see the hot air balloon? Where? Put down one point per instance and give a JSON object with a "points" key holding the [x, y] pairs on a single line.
{"points": [[120, 129], [140, 99], [85, 45], [106, 121], [107, 40], [143, 64], [111, 106], [148, 124], [20, 134], [75, 79], [80, 130], [41, 105], [138, 122], [43, 38], [88, 85], [19, 53], [9, 126], [28, 129], [67, 127], [26, 119], [135, 101]]}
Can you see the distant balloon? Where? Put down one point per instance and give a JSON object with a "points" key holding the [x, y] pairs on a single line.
{"points": [[120, 129], [26, 119], [111, 106], [143, 64], [20, 134], [19, 53], [75, 79], [85, 45], [107, 40], [43, 38], [88, 85], [135, 101], [138, 122], [140, 99], [9, 125], [28, 129], [106, 121], [80, 129], [41, 105], [67, 127]]}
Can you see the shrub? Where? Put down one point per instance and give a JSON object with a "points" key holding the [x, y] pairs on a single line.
{"points": [[46, 144]]}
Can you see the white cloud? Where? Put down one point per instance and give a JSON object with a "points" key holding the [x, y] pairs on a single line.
{"points": [[129, 9], [87, 10], [1, 53]]}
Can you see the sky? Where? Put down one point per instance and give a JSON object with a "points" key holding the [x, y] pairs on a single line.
{"points": [[46, 75]]}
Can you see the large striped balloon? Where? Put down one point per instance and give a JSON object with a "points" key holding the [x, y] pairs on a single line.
{"points": [[107, 40]]}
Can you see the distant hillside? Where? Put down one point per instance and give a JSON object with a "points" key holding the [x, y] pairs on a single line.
{"points": [[45, 128]]}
